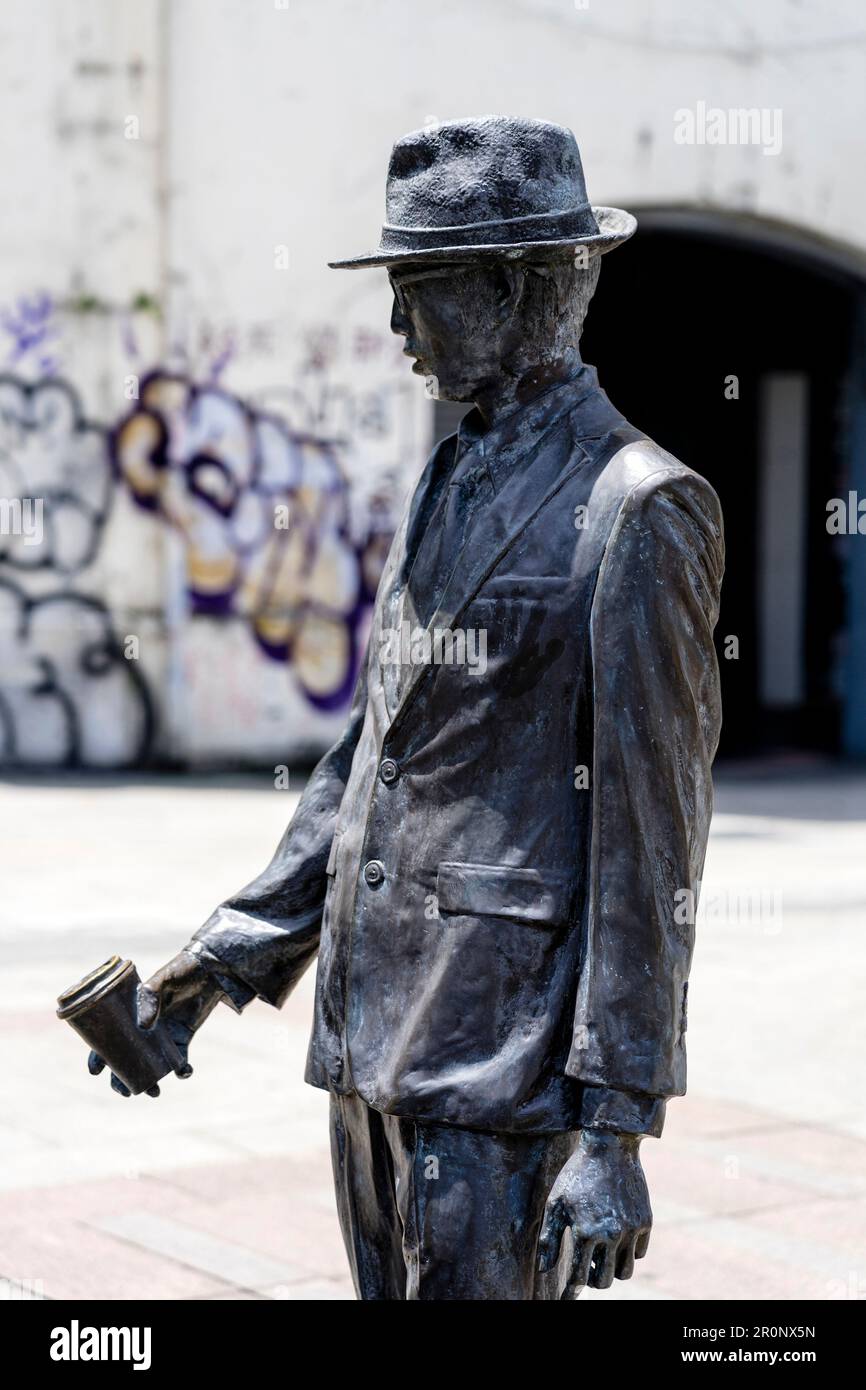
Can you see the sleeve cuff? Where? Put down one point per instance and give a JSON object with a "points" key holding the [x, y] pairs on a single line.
{"points": [[625, 1112], [237, 994]]}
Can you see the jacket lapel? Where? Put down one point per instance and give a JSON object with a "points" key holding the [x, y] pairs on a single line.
{"points": [[496, 526], [389, 611]]}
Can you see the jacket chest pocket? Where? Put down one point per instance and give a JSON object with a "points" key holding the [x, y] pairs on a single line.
{"points": [[519, 588], [536, 897]]}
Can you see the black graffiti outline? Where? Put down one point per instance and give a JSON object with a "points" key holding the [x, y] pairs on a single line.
{"points": [[96, 516], [50, 681]]}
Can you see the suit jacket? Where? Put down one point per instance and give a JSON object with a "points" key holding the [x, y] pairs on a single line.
{"points": [[502, 939]]}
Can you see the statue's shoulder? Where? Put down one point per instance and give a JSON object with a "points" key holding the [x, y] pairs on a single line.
{"points": [[637, 472]]}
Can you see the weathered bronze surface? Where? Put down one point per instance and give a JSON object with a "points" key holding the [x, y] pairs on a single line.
{"points": [[491, 863]]}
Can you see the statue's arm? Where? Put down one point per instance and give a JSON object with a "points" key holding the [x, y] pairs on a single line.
{"points": [[657, 716], [657, 720], [260, 941]]}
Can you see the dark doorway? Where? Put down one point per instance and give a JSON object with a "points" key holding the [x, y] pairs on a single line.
{"points": [[674, 318]]}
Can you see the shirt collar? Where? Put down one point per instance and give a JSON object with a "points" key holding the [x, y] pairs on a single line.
{"points": [[498, 448]]}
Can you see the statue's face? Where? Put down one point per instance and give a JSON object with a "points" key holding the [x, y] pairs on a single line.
{"points": [[454, 319]]}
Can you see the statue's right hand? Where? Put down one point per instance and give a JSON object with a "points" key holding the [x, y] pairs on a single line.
{"points": [[181, 994]]}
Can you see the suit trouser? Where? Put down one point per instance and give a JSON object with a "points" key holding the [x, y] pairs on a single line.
{"points": [[435, 1212]]}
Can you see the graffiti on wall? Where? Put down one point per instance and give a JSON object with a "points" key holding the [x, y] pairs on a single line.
{"points": [[50, 453], [67, 695], [267, 527], [31, 331], [264, 517]]}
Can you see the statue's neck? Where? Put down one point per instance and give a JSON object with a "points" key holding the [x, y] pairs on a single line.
{"points": [[518, 388]]}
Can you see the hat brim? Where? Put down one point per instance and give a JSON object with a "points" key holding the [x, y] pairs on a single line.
{"points": [[615, 226]]}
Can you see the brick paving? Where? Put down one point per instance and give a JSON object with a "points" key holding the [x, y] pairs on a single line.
{"points": [[221, 1188]]}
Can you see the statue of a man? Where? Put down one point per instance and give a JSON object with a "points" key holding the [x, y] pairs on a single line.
{"points": [[496, 861]]}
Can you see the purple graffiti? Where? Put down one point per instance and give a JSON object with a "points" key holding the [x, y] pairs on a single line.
{"points": [[31, 328], [265, 519]]}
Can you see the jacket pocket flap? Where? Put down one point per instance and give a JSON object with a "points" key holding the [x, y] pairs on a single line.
{"points": [[497, 890]]}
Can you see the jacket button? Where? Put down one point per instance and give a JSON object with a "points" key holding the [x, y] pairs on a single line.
{"points": [[374, 872], [388, 771]]}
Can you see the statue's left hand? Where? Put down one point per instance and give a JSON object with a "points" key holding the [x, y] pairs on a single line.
{"points": [[601, 1196]]}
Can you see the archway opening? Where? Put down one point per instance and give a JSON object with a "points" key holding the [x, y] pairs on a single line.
{"points": [[736, 355]]}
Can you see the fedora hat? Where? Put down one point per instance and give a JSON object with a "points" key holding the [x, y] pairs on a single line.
{"points": [[489, 187]]}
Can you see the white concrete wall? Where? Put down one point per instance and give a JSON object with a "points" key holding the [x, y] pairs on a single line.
{"points": [[263, 126], [82, 243]]}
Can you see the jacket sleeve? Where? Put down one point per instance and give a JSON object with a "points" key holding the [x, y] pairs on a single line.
{"points": [[261, 941], [657, 716]]}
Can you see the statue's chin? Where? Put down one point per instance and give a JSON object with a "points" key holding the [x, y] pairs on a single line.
{"points": [[460, 391], [460, 394]]}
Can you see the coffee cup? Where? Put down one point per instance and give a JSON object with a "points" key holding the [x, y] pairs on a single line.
{"points": [[103, 1010]]}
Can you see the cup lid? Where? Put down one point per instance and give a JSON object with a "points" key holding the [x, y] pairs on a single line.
{"points": [[93, 986]]}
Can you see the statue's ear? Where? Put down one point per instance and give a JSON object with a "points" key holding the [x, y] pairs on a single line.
{"points": [[508, 287]]}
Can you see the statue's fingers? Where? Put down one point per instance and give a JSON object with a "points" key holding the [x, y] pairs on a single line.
{"points": [[118, 1086], [551, 1236], [640, 1245], [148, 1006], [625, 1257], [181, 1039], [181, 1036], [95, 1064], [581, 1259], [603, 1265]]}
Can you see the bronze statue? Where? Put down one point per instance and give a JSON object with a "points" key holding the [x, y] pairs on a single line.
{"points": [[489, 862]]}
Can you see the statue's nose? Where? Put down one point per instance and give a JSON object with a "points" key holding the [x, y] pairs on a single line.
{"points": [[399, 321]]}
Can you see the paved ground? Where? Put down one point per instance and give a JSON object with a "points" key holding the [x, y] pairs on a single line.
{"points": [[221, 1188]]}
